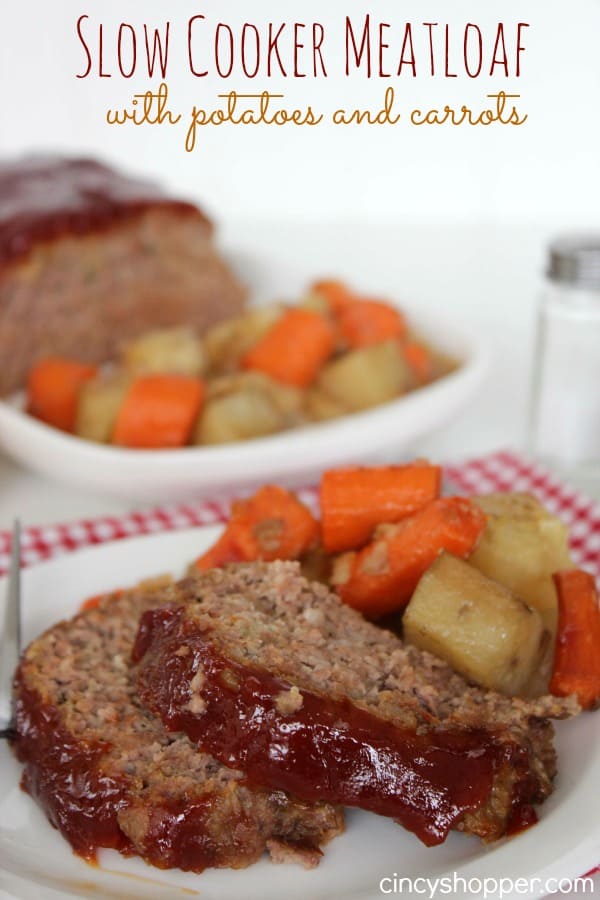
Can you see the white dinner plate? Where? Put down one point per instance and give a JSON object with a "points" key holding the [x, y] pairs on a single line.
{"points": [[35, 861], [291, 457]]}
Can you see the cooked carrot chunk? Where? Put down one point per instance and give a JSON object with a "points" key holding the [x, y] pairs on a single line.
{"points": [[366, 322], [355, 500], [361, 321], [382, 577], [272, 524], [95, 601], [159, 411], [294, 349], [53, 387], [577, 655], [91, 602], [419, 359], [336, 293]]}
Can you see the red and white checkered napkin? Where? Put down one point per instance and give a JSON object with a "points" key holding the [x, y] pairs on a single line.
{"points": [[499, 472], [509, 472]]}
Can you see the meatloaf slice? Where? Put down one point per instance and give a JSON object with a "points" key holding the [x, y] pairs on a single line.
{"points": [[90, 257], [273, 674], [108, 774]]}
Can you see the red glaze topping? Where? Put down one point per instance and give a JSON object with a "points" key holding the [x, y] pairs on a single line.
{"points": [[64, 775], [325, 750], [45, 197], [522, 818]]}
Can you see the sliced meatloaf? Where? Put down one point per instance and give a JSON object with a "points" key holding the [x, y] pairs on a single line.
{"points": [[273, 674], [109, 775], [90, 257]]}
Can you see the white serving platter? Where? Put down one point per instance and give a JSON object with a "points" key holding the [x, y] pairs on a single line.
{"points": [[291, 457], [36, 862]]}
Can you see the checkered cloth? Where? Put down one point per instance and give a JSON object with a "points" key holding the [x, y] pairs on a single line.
{"points": [[510, 472], [499, 472]]}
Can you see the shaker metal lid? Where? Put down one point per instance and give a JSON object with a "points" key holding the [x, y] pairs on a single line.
{"points": [[575, 259]]}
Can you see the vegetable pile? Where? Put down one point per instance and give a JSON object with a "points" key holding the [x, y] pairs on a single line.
{"points": [[486, 583], [268, 370]]}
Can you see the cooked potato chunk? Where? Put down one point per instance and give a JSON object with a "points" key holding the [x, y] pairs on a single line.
{"points": [[99, 402], [479, 627], [286, 399], [227, 342], [238, 416], [523, 544], [174, 350], [247, 405], [366, 377], [320, 406]]}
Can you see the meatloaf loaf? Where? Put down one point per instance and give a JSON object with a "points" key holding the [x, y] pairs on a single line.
{"points": [[90, 257], [109, 775], [274, 675]]}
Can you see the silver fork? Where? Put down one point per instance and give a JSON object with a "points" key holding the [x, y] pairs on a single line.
{"points": [[10, 636]]}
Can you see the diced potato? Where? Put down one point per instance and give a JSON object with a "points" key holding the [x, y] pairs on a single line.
{"points": [[98, 404], [221, 385], [176, 350], [246, 405], [320, 406], [237, 417], [540, 680], [226, 343], [315, 303], [286, 399], [483, 630], [366, 377], [523, 544]]}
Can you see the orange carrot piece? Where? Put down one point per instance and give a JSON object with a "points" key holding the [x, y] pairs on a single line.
{"points": [[91, 602], [382, 577], [159, 411], [366, 322], [272, 524], [336, 293], [419, 359], [53, 388], [94, 602], [294, 349], [577, 655], [355, 500], [222, 553]]}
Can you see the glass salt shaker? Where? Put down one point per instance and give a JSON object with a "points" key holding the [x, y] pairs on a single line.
{"points": [[565, 422]]}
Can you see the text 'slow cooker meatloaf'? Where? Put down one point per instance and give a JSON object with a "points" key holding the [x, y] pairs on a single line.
{"points": [[90, 257], [273, 674], [109, 775]]}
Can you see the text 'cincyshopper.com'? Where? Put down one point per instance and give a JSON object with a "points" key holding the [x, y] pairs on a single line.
{"points": [[486, 888]]}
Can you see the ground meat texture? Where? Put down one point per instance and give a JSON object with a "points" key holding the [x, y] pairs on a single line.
{"points": [[109, 775], [90, 258], [271, 673]]}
